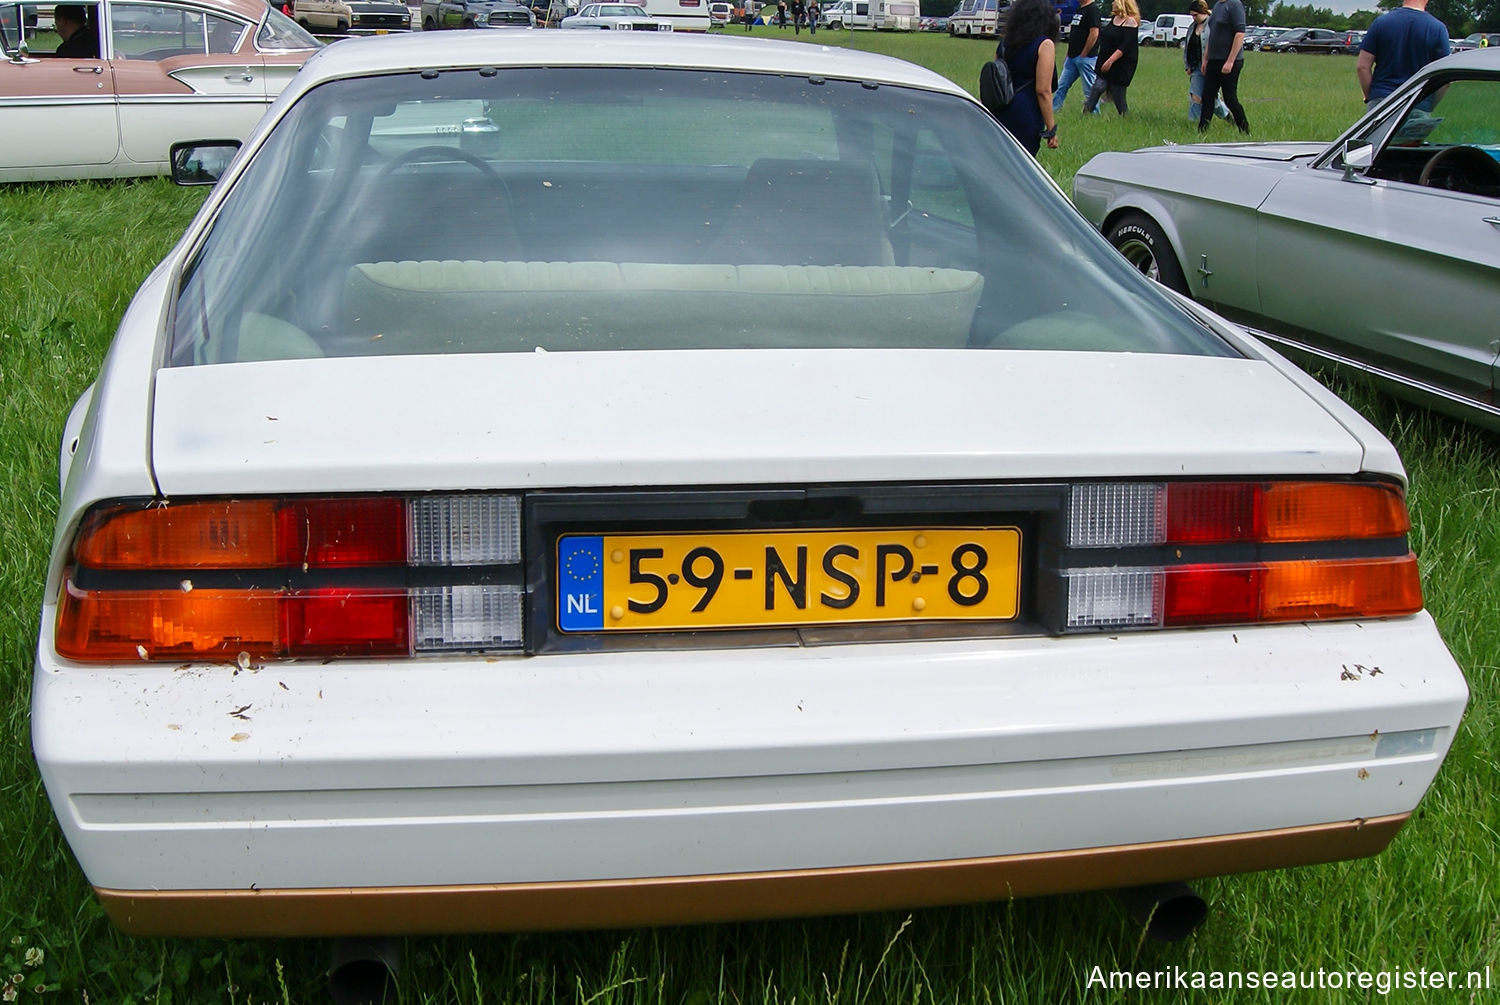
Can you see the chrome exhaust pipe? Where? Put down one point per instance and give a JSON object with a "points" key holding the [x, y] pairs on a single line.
{"points": [[364, 970], [1169, 912]]}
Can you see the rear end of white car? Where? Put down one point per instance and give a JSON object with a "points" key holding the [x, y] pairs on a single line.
{"points": [[351, 633]]}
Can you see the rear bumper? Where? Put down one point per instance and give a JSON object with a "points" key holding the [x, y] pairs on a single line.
{"points": [[677, 900], [824, 779]]}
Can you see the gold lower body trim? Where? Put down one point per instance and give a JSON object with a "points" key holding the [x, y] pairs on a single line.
{"points": [[671, 900]]}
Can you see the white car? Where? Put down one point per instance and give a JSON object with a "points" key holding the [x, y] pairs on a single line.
{"points": [[616, 17], [683, 503]]}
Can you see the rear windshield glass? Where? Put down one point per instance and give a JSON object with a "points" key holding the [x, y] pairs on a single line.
{"points": [[561, 209]]}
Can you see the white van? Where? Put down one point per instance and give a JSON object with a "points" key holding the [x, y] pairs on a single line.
{"points": [[1171, 29], [977, 18], [847, 14]]}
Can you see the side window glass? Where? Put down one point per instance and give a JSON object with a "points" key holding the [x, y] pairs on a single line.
{"points": [[67, 31], [152, 31], [935, 190], [224, 34], [1449, 139], [279, 33], [1468, 114]]}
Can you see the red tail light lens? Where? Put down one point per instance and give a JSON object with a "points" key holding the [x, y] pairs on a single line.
{"points": [[1205, 594], [347, 623], [341, 533]]}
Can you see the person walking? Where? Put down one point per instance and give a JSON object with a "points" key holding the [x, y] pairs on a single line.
{"points": [[781, 14], [1029, 48], [1223, 59], [798, 12], [1083, 39], [1119, 51], [1399, 43], [813, 13], [1192, 58]]}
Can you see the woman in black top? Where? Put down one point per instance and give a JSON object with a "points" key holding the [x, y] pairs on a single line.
{"points": [[1119, 48]]}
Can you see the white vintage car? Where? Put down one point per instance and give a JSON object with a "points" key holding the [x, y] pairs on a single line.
{"points": [[1379, 251], [615, 17], [138, 76], [681, 503]]}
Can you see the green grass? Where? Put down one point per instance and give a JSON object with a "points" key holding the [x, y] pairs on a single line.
{"points": [[72, 255]]}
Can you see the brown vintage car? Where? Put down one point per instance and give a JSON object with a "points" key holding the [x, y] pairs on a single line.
{"points": [[102, 89]]}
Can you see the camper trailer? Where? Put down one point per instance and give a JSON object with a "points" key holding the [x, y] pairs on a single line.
{"points": [[978, 18]]}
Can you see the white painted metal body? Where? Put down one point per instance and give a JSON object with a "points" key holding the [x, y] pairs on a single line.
{"points": [[470, 770]]}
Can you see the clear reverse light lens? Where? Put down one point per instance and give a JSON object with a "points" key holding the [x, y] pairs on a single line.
{"points": [[465, 530], [1116, 515], [449, 618], [1106, 598]]}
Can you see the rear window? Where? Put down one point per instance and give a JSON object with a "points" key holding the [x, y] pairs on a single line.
{"points": [[523, 210]]}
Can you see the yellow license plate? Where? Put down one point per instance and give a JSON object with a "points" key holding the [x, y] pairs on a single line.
{"points": [[754, 579]]}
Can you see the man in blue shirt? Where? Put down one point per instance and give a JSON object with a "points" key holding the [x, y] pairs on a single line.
{"points": [[1398, 44]]}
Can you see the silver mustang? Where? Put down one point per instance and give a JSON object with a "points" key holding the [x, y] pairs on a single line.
{"points": [[1380, 250]]}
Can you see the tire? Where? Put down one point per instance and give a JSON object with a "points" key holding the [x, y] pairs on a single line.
{"points": [[429, 25], [1141, 241], [1295, 48], [836, 25]]}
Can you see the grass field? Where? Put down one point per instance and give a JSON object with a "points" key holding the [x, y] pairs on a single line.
{"points": [[72, 255]]}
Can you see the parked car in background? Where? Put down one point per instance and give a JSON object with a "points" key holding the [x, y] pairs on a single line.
{"points": [[1259, 33], [1306, 40], [165, 70], [615, 17], [439, 14], [1352, 40], [1171, 29], [1478, 40], [1395, 223], [354, 17], [719, 14], [1260, 38], [708, 621], [1146, 34]]}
